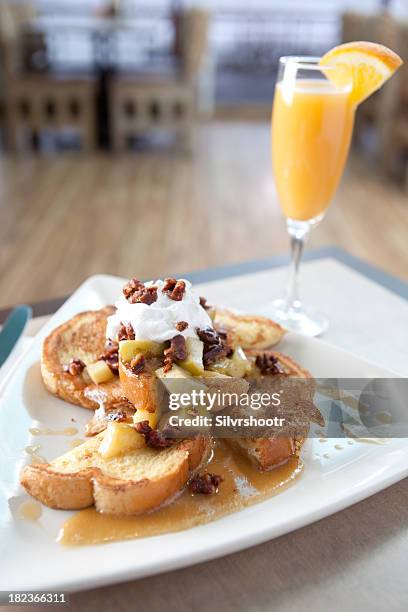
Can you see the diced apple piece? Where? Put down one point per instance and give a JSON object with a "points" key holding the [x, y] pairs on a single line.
{"points": [[222, 366], [144, 415], [194, 361], [120, 438], [211, 374], [239, 364], [99, 372], [130, 348], [178, 380]]}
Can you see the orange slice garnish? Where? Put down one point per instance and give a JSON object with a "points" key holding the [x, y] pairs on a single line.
{"points": [[364, 65]]}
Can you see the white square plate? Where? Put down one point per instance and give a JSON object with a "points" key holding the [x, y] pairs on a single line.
{"points": [[328, 484]]}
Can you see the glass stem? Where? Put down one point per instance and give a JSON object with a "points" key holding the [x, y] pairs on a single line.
{"points": [[299, 232]]}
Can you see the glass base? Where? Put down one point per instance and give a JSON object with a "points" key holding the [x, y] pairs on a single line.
{"points": [[297, 318]]}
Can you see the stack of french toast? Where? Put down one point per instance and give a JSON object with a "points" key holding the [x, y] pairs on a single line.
{"points": [[109, 361]]}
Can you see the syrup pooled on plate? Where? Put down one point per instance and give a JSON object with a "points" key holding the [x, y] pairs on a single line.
{"points": [[68, 431], [242, 486]]}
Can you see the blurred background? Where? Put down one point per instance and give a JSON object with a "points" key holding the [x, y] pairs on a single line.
{"points": [[135, 137]]}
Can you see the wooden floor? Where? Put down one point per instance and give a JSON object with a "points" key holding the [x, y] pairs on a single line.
{"points": [[151, 214]]}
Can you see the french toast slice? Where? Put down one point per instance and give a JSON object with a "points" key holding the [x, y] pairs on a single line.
{"points": [[266, 453], [82, 337], [133, 483], [249, 331]]}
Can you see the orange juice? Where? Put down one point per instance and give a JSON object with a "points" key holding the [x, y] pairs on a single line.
{"points": [[312, 123]]}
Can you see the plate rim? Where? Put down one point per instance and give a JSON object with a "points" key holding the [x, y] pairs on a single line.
{"points": [[187, 558]]}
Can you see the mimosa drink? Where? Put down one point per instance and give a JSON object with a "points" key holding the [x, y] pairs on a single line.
{"points": [[312, 124]]}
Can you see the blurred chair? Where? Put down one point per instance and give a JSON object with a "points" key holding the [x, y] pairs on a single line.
{"points": [[43, 103], [393, 113], [381, 28], [387, 109], [360, 26], [147, 103]]}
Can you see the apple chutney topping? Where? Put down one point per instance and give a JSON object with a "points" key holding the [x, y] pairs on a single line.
{"points": [[206, 483], [75, 367], [174, 289], [136, 292]]}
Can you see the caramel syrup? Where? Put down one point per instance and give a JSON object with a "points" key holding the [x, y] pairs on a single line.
{"points": [[33, 452], [68, 431], [30, 511], [242, 486]]}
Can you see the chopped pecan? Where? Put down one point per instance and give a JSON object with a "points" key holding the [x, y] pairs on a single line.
{"points": [[206, 483], [126, 332], [203, 303], [169, 284], [111, 356], [181, 326], [268, 364], [147, 295], [75, 367], [167, 364], [216, 345], [122, 333], [137, 365], [226, 341], [213, 354], [176, 350], [133, 285], [174, 289], [135, 292], [153, 437], [208, 335]]}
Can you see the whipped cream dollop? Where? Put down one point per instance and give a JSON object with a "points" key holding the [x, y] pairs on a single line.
{"points": [[157, 321]]}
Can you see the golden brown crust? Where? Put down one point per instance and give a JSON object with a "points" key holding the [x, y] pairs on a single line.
{"points": [[267, 453], [62, 491], [139, 389], [288, 364], [82, 337], [82, 487], [249, 331]]}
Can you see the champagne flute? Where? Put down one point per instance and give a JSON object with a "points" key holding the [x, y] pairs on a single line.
{"points": [[312, 125]]}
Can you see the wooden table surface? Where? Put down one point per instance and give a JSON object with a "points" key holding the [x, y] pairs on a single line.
{"points": [[66, 217], [353, 560]]}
